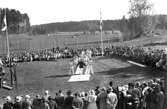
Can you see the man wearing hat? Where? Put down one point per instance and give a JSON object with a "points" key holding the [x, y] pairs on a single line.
{"points": [[8, 104]]}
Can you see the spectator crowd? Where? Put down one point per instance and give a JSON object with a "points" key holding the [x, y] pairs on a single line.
{"points": [[138, 95], [147, 56]]}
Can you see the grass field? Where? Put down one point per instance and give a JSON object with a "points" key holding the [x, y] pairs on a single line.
{"points": [[74, 40], [35, 77], [70, 39]]}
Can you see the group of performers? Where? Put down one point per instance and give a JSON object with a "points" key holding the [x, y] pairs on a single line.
{"points": [[82, 64]]}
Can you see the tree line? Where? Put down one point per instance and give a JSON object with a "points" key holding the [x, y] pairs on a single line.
{"points": [[17, 22]]}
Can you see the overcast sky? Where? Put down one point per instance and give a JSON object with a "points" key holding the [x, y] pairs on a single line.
{"points": [[47, 11]]}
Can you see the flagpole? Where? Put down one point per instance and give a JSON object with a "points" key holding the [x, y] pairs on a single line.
{"points": [[7, 39], [101, 34]]}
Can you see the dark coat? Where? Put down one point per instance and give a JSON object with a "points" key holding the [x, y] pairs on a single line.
{"points": [[60, 101], [77, 103], [68, 103], [52, 104], [17, 105], [8, 105]]}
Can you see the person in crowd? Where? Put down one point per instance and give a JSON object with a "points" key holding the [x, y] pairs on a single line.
{"points": [[68, 100], [52, 103], [36, 102], [8, 104], [46, 95], [84, 96], [77, 102], [101, 98], [112, 99], [26, 104], [18, 103], [44, 103], [159, 98], [92, 100], [135, 94], [60, 99]]}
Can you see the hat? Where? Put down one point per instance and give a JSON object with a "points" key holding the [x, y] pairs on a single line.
{"points": [[46, 91], [18, 98], [110, 89], [8, 98], [103, 88], [27, 96], [69, 92]]}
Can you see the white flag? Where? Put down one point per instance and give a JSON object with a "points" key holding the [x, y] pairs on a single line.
{"points": [[101, 21], [4, 24]]}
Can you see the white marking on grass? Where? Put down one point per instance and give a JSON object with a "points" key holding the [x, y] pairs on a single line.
{"points": [[138, 64], [76, 78]]}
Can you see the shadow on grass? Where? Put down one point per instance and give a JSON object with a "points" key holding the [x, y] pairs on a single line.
{"points": [[155, 44], [131, 71], [58, 76]]}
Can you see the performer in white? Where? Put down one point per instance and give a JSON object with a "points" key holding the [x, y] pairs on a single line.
{"points": [[89, 62], [81, 64], [72, 68]]}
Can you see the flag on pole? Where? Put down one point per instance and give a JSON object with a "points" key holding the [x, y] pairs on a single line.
{"points": [[4, 25], [101, 21]]}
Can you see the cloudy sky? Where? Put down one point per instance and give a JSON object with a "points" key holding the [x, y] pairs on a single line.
{"points": [[46, 11]]}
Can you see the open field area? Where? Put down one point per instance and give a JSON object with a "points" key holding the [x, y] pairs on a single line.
{"points": [[36, 77], [71, 39], [76, 39]]}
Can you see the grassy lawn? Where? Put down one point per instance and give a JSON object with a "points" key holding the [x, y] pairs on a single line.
{"points": [[35, 77]]}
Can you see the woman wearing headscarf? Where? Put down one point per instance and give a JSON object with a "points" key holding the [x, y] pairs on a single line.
{"points": [[92, 100]]}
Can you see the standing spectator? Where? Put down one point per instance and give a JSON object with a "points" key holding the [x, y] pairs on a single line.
{"points": [[112, 99], [159, 99], [36, 102], [148, 99], [136, 94], [92, 100], [77, 102], [68, 101], [44, 104], [52, 103], [102, 99], [26, 103], [8, 104], [18, 103], [85, 100], [46, 95], [60, 99]]}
